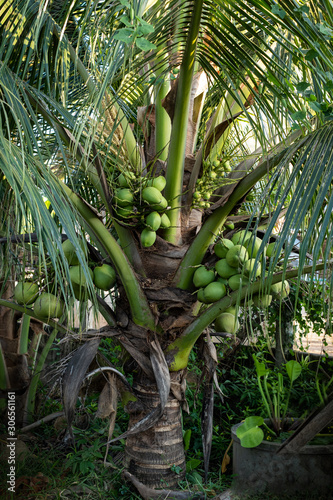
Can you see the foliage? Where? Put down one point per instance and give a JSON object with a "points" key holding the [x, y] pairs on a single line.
{"points": [[90, 122]]}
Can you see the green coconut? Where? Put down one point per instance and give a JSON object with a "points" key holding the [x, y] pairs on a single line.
{"points": [[158, 182], [249, 267], [262, 301], [252, 245], [162, 205], [270, 249], [148, 237], [124, 180], [26, 293], [124, 197], [224, 270], [231, 310], [214, 291], [238, 280], [203, 276], [151, 195], [165, 221], [104, 277], [153, 221], [125, 212], [200, 295], [281, 289], [226, 322], [240, 237], [222, 280], [229, 225], [78, 277], [236, 256], [222, 246], [70, 253], [48, 306]]}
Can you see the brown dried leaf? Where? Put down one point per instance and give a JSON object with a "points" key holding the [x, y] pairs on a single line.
{"points": [[107, 401], [152, 494], [226, 459], [73, 377]]}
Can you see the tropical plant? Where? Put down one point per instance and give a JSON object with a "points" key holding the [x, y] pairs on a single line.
{"points": [[275, 400], [104, 106]]}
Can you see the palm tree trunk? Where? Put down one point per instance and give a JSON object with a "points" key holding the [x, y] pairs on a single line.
{"points": [[156, 457]]}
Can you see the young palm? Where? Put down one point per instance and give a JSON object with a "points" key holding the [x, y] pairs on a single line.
{"points": [[101, 103]]}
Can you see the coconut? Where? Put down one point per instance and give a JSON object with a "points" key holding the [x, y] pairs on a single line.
{"points": [[104, 277], [78, 277], [148, 237], [153, 221], [240, 237], [162, 205], [26, 293], [165, 221], [48, 306], [226, 322], [124, 180], [213, 292], [224, 270], [158, 182], [231, 310], [203, 276], [262, 301], [270, 249], [222, 246], [151, 195], [252, 245], [222, 280], [236, 256], [249, 267], [124, 197], [125, 211], [238, 280], [281, 289], [200, 295], [70, 253]]}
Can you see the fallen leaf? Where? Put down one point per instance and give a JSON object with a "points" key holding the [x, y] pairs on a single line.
{"points": [[226, 459]]}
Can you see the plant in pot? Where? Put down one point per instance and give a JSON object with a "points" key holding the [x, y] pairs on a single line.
{"points": [[275, 400], [257, 464]]}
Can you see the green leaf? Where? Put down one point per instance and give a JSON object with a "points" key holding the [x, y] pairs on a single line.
{"points": [[304, 8], [273, 79], [278, 11], [301, 86], [299, 115], [187, 439], [260, 367], [249, 434], [192, 464], [311, 54], [328, 86], [125, 19], [293, 369], [325, 30], [315, 106], [144, 44], [145, 27], [124, 35]]}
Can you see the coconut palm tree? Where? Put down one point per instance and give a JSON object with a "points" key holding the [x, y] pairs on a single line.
{"points": [[107, 105]]}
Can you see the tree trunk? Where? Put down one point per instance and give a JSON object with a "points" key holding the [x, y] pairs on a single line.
{"points": [[156, 457], [284, 335]]}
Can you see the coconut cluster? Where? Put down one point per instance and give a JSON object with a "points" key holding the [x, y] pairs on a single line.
{"points": [[49, 305], [212, 173], [237, 266], [140, 203]]}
